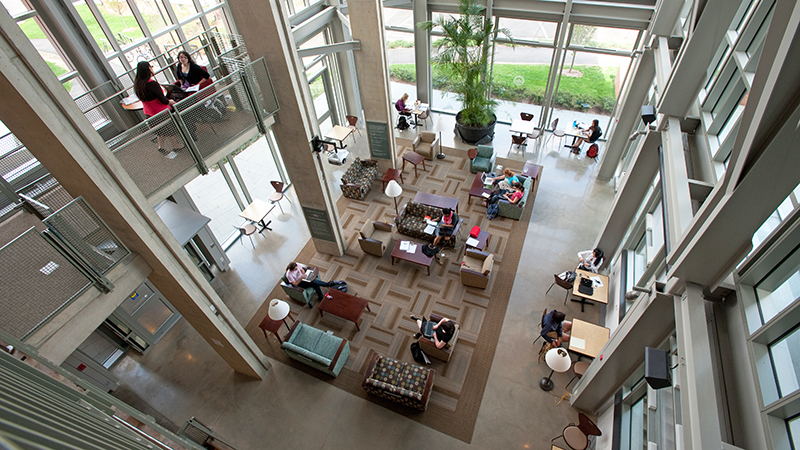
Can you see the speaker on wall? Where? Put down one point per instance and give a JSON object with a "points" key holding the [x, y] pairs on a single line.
{"points": [[656, 368], [648, 114]]}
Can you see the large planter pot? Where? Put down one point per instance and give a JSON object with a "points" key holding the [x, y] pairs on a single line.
{"points": [[475, 135]]}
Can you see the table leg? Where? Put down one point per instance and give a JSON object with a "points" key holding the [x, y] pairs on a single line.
{"points": [[264, 226], [423, 166], [357, 327], [368, 307], [277, 336], [392, 260], [401, 178], [416, 175]]}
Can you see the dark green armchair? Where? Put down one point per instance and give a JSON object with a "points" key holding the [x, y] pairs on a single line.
{"points": [[484, 161]]}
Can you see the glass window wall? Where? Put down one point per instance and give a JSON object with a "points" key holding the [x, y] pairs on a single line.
{"points": [[785, 355]]}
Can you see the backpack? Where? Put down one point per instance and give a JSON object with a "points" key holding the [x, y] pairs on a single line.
{"points": [[340, 285], [593, 151], [402, 123], [491, 211], [418, 355]]}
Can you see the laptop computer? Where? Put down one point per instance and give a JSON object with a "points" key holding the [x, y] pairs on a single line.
{"points": [[586, 286], [311, 274], [427, 329]]}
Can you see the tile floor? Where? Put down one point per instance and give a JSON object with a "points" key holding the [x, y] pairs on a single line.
{"points": [[182, 376]]}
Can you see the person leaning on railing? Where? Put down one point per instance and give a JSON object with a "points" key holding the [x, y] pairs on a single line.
{"points": [[153, 102]]}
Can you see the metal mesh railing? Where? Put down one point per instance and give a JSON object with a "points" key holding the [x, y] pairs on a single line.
{"points": [[49, 193], [20, 168], [77, 225], [257, 77], [38, 281]]}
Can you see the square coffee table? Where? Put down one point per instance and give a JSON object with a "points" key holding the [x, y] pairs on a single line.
{"points": [[417, 257], [482, 238], [414, 158], [348, 307], [392, 174]]}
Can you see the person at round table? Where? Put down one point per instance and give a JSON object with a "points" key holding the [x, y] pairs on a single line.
{"points": [[506, 180], [555, 329], [188, 73], [401, 107], [296, 272], [591, 134], [153, 102], [591, 260], [442, 331], [447, 225]]}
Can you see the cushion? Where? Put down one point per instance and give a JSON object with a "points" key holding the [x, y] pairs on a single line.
{"points": [[485, 151], [382, 226], [306, 353], [487, 265], [327, 346], [306, 337], [367, 230]]}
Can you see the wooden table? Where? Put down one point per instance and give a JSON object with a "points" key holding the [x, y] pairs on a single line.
{"points": [[600, 293], [392, 174], [256, 212], [339, 133], [523, 127], [417, 257], [439, 201], [531, 171], [419, 109], [575, 133], [414, 158], [587, 338], [478, 188], [482, 238], [348, 307], [273, 326]]}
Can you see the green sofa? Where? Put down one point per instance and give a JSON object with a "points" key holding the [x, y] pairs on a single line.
{"points": [[316, 348], [506, 209]]}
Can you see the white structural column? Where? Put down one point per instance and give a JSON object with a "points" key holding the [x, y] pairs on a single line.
{"points": [[422, 46], [675, 178], [266, 30], [699, 413], [366, 17]]}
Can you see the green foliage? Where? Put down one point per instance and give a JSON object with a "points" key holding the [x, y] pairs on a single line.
{"points": [[58, 71], [317, 88], [400, 43], [595, 86], [463, 56]]}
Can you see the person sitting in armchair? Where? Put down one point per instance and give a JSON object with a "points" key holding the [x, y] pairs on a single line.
{"points": [[442, 331], [446, 226], [296, 273]]}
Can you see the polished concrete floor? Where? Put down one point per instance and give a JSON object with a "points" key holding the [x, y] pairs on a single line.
{"points": [[182, 376]]}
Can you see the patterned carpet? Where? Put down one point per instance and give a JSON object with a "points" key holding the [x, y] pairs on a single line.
{"points": [[399, 290]]}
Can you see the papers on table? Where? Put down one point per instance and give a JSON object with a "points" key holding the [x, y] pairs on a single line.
{"points": [[127, 101], [431, 222], [472, 242], [430, 229], [404, 245], [408, 246], [485, 195], [577, 343], [194, 88], [597, 281]]}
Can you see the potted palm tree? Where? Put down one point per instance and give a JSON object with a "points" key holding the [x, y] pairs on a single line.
{"points": [[463, 54]]}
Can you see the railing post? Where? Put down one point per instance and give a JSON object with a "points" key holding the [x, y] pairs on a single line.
{"points": [[189, 141], [251, 93]]}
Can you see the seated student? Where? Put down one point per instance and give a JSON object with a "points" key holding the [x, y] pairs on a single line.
{"points": [[591, 134], [506, 180], [295, 273], [442, 331], [401, 106], [591, 260], [554, 328], [446, 226], [188, 73], [513, 195]]}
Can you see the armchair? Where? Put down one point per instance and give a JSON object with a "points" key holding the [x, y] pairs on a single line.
{"points": [[426, 144], [302, 295], [374, 237], [476, 268], [484, 162], [429, 347]]}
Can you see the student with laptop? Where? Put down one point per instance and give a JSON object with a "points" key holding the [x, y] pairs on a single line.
{"points": [[305, 276], [440, 332], [591, 260], [447, 225]]}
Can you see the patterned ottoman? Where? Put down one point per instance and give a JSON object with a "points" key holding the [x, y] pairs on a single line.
{"points": [[398, 381]]}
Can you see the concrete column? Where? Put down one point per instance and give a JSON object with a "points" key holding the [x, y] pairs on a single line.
{"points": [[51, 126], [265, 27], [630, 113], [422, 54], [699, 413], [675, 179], [373, 72]]}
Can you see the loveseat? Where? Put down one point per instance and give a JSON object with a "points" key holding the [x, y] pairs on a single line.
{"points": [[399, 381], [316, 348], [359, 177], [514, 211], [411, 222]]}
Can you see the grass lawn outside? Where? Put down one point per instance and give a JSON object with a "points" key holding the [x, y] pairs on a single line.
{"points": [[526, 83]]}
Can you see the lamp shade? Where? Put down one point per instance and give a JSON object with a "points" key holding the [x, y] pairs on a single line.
{"points": [[558, 359], [393, 189], [278, 309]]}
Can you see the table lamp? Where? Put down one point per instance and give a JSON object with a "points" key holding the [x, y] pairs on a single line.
{"points": [[557, 360], [393, 190], [278, 310]]}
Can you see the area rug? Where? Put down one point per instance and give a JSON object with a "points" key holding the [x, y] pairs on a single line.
{"points": [[397, 291]]}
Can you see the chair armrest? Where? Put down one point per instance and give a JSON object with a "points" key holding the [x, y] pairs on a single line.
{"points": [[383, 226], [292, 287], [339, 351], [291, 331], [477, 254], [371, 365], [473, 273], [434, 144], [416, 142]]}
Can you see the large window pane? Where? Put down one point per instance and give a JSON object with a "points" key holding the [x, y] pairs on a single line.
{"points": [[773, 301], [121, 21], [217, 19], [184, 10], [611, 38], [46, 48], [530, 30], [93, 26], [154, 14], [208, 4], [785, 354]]}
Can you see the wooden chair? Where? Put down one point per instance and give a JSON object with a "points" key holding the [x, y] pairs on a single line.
{"points": [[578, 369], [561, 283], [541, 324], [425, 115], [353, 121], [248, 230], [278, 195], [519, 141], [526, 116], [577, 436]]}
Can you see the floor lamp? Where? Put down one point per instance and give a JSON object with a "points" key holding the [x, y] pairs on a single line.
{"points": [[393, 190], [278, 310], [557, 360], [440, 155]]}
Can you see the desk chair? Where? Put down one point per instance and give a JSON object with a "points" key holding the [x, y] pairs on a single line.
{"points": [[557, 133], [425, 115], [577, 436], [561, 283], [541, 324], [248, 230], [519, 141], [353, 123], [578, 369], [278, 195]]}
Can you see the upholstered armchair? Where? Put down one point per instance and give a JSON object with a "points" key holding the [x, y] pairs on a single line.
{"points": [[484, 162], [426, 144], [302, 295], [476, 268], [374, 237], [429, 347]]}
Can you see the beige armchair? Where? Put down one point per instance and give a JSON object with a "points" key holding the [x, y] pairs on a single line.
{"points": [[476, 268], [426, 144], [429, 347], [374, 237]]}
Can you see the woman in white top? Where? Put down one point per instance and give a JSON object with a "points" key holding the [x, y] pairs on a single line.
{"points": [[591, 260]]}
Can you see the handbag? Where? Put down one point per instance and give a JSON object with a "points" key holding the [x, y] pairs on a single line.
{"points": [[430, 250]]}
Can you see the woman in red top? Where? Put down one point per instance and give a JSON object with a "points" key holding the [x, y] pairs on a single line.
{"points": [[153, 101]]}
